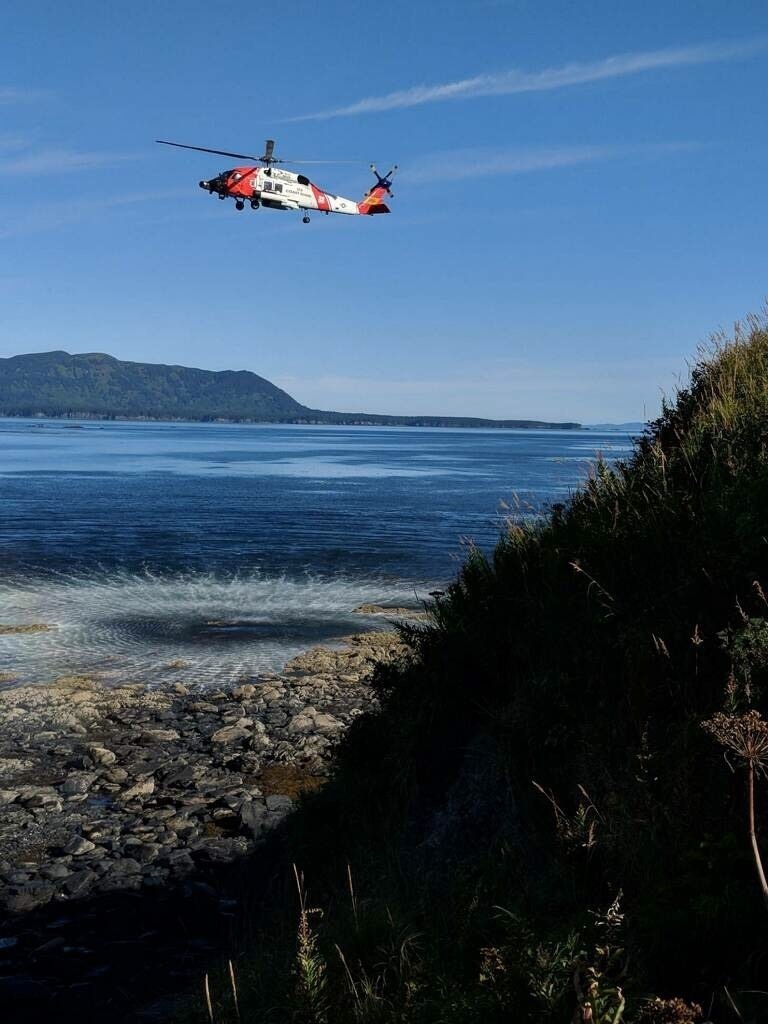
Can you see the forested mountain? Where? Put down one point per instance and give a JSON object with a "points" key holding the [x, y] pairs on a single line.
{"points": [[99, 386]]}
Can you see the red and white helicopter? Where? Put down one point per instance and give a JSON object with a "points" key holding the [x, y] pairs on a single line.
{"points": [[272, 187]]}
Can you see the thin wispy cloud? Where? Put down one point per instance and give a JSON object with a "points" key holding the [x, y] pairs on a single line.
{"points": [[53, 215], [48, 161], [507, 83], [459, 164], [11, 94], [9, 143]]}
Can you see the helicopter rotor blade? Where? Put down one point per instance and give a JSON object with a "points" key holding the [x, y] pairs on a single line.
{"points": [[204, 149], [267, 158], [278, 160]]}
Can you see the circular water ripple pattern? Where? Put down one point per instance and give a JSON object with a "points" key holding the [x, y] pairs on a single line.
{"points": [[142, 626]]}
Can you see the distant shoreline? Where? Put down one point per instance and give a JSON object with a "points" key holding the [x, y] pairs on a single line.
{"points": [[58, 385], [338, 420]]}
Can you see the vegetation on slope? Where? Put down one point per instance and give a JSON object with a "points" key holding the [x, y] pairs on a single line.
{"points": [[536, 826], [99, 386]]}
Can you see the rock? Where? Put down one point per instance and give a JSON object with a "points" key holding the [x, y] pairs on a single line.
{"points": [[180, 861], [31, 627], [244, 692], [391, 610], [304, 722], [231, 734], [54, 872], [44, 796], [144, 787], [218, 850], [327, 725], [159, 736], [203, 706], [147, 852], [279, 804], [76, 784], [183, 776], [8, 796], [80, 882], [126, 866], [101, 755], [252, 817], [35, 894], [78, 845], [180, 688]]}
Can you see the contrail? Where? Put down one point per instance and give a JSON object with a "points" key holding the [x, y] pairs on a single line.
{"points": [[507, 83]]}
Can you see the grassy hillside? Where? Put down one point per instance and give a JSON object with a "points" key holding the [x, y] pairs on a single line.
{"points": [[540, 825], [99, 386]]}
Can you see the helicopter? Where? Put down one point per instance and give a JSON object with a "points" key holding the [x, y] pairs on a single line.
{"points": [[273, 188]]}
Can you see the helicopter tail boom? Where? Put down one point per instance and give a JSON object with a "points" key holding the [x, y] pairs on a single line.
{"points": [[374, 201]]}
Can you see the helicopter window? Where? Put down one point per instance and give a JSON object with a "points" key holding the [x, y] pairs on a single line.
{"points": [[267, 186], [277, 187]]}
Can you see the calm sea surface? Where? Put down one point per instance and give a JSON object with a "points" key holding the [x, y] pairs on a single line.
{"points": [[232, 547]]}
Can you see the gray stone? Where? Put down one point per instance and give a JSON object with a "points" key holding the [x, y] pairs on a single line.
{"points": [[252, 815], [144, 787], [8, 796], [147, 852], [28, 898], [101, 755], [159, 736], [218, 850], [77, 784], [327, 725], [45, 796], [80, 882], [125, 866], [304, 722], [55, 871], [232, 734], [78, 845], [279, 804]]}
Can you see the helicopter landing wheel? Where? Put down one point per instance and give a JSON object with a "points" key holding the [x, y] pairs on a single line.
{"points": [[305, 220], [254, 204], [239, 204], [221, 196]]}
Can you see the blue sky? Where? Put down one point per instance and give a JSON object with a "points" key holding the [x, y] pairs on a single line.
{"points": [[581, 200]]}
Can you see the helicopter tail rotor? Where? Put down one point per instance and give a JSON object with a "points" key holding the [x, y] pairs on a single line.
{"points": [[384, 181], [374, 200]]}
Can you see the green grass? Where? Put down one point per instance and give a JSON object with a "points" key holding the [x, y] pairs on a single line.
{"points": [[536, 819]]}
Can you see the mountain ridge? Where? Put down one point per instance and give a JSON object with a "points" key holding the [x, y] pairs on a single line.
{"points": [[96, 385]]}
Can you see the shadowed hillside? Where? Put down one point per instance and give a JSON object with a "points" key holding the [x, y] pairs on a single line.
{"points": [[99, 386], [539, 825]]}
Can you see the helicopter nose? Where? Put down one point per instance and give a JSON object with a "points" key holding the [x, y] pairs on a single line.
{"points": [[205, 184]]}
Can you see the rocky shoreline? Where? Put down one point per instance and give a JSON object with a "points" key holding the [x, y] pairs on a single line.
{"points": [[106, 789]]}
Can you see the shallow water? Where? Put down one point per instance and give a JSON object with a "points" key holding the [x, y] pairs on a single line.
{"points": [[232, 547]]}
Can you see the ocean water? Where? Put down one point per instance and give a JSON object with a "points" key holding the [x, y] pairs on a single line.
{"points": [[230, 548]]}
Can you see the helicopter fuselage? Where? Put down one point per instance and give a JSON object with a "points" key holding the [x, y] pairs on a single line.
{"points": [[278, 189]]}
